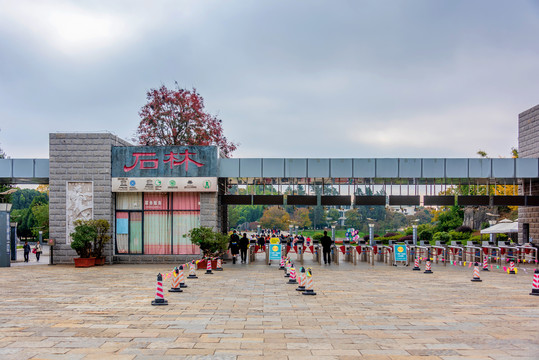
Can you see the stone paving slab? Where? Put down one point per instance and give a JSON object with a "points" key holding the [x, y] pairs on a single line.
{"points": [[250, 312]]}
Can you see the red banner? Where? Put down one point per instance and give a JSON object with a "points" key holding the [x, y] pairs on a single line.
{"points": [[358, 249], [343, 249]]}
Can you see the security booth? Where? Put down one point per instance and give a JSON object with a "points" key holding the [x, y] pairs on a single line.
{"points": [[5, 235]]}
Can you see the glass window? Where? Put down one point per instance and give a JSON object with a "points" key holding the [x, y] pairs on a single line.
{"points": [[129, 201], [122, 231], [135, 233], [186, 201], [157, 232], [182, 223]]}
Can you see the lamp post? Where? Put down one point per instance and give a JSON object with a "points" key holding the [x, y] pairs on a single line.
{"points": [[371, 234], [297, 227], [258, 230], [333, 233], [414, 234]]}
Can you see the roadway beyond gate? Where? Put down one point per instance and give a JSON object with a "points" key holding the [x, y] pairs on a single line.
{"points": [[249, 311]]}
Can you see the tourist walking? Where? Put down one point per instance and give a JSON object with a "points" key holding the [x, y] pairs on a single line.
{"points": [[38, 250], [326, 247], [26, 249], [244, 244], [234, 245]]}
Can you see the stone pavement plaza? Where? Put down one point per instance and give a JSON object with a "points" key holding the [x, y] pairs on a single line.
{"points": [[249, 312]]}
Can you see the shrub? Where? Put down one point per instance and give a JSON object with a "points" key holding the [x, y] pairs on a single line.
{"points": [[442, 237], [318, 236], [102, 237], [83, 236], [210, 242], [464, 229], [502, 237], [425, 234], [391, 234], [460, 236], [406, 237]]}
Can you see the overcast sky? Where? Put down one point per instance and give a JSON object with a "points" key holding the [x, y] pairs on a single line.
{"points": [[288, 78]]}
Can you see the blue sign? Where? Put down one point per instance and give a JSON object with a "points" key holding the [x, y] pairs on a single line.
{"points": [[400, 252], [275, 249], [164, 161]]}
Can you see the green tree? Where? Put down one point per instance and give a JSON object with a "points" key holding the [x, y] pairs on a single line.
{"points": [[449, 219], [332, 215], [353, 219], [317, 215], [41, 216]]}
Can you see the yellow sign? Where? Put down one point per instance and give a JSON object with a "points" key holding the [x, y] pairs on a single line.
{"points": [[275, 241]]}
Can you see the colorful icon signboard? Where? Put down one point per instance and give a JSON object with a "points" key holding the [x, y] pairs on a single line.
{"points": [[275, 249], [400, 252]]}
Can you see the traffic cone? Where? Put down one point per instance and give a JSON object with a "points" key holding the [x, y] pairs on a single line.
{"points": [[192, 271], [287, 270], [301, 278], [181, 275], [281, 266], [535, 283], [175, 282], [159, 297], [208, 266], [292, 279], [427, 268], [219, 265], [476, 273], [512, 267], [309, 284], [485, 264], [416, 265]]}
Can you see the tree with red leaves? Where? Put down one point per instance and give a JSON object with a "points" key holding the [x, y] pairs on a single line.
{"points": [[177, 117]]}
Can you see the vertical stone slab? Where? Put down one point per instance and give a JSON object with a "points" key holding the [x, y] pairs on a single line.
{"points": [[528, 147]]}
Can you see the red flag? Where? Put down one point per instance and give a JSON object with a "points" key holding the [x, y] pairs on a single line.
{"points": [[358, 249], [312, 248], [296, 249], [343, 249]]}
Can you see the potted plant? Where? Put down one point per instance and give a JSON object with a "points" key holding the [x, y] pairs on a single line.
{"points": [[83, 236], [212, 243], [102, 237]]}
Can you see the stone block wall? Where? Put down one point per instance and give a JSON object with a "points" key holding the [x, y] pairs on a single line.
{"points": [[528, 146], [80, 157]]}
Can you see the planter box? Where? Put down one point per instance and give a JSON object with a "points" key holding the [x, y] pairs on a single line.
{"points": [[84, 262], [100, 261], [202, 264]]}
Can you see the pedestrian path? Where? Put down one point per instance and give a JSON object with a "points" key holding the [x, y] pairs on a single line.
{"points": [[250, 312]]}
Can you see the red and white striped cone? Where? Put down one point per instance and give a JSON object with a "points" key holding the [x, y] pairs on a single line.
{"points": [[287, 269], [416, 265], [159, 297], [281, 266], [309, 284], [427, 268], [301, 278], [512, 267], [292, 279], [175, 282], [219, 265], [485, 263], [192, 270], [476, 273], [208, 266], [535, 283], [181, 275]]}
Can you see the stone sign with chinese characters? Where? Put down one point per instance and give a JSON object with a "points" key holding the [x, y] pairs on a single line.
{"points": [[164, 162]]}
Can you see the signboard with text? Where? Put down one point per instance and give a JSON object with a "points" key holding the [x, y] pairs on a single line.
{"points": [[164, 184], [275, 249], [400, 253], [164, 161]]}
